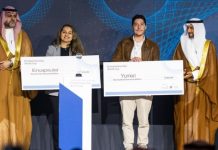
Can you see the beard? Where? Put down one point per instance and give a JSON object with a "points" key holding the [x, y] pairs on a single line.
{"points": [[10, 24], [191, 35]]}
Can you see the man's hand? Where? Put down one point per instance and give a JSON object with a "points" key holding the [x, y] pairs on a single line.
{"points": [[136, 59], [5, 64], [188, 75]]}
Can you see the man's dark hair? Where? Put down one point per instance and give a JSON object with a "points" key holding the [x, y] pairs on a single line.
{"points": [[137, 16]]}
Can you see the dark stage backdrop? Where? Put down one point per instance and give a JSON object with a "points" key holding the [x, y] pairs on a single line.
{"points": [[102, 23]]}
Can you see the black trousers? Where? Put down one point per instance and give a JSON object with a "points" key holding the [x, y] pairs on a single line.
{"points": [[54, 100]]}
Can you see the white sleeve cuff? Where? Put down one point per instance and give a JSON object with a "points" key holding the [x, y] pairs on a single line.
{"points": [[195, 74], [13, 59]]}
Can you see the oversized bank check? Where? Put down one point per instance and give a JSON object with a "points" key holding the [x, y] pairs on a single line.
{"points": [[45, 73], [143, 78]]}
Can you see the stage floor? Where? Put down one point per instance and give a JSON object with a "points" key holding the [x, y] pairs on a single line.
{"points": [[104, 136]]}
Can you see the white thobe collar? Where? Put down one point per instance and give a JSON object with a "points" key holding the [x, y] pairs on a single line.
{"points": [[9, 35]]}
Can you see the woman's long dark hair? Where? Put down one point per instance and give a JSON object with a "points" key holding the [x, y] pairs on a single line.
{"points": [[75, 45]]}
